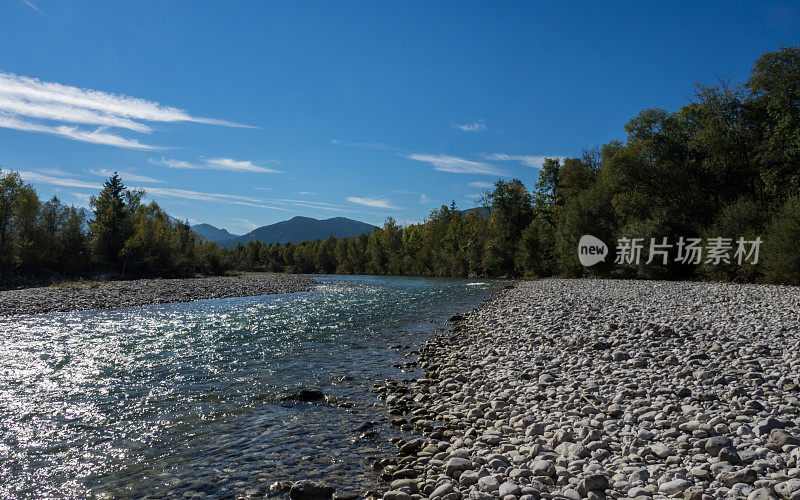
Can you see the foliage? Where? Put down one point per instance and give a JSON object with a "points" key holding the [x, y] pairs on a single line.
{"points": [[782, 251], [125, 236]]}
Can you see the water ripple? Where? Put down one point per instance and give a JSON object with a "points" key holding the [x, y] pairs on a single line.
{"points": [[168, 399]]}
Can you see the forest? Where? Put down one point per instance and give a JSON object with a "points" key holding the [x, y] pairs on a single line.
{"points": [[121, 237], [725, 165]]}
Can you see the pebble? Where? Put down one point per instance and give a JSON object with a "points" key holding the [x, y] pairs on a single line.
{"points": [[109, 294], [610, 389]]}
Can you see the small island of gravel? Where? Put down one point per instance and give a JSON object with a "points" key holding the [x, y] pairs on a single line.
{"points": [[606, 389], [107, 294]]}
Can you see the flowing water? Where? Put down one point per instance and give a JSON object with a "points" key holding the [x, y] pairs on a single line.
{"points": [[183, 399]]}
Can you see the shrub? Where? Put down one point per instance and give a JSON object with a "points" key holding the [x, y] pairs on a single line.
{"points": [[782, 244], [741, 219]]}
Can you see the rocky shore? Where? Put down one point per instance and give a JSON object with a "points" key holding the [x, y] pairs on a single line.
{"points": [[108, 294], [606, 389]]}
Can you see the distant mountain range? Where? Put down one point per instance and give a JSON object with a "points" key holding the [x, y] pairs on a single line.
{"points": [[293, 230]]}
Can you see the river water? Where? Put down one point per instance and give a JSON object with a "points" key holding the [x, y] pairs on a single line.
{"points": [[183, 400]]}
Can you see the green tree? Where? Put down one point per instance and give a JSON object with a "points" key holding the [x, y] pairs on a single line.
{"points": [[113, 209], [774, 99]]}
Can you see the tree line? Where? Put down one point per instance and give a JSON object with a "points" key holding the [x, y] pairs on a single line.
{"points": [[725, 165], [122, 236]]}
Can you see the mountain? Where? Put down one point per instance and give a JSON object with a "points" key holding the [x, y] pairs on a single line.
{"points": [[293, 230], [212, 233]]}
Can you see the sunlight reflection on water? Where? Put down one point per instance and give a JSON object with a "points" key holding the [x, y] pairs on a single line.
{"points": [[166, 399]]}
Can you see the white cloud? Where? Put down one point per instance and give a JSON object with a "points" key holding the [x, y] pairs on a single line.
{"points": [[95, 137], [474, 196], [244, 166], [126, 176], [83, 198], [480, 185], [371, 202], [424, 199], [37, 9], [34, 90], [217, 197], [29, 176], [527, 160], [317, 205], [308, 202], [478, 126], [70, 114], [24, 98], [246, 223], [186, 194], [164, 162], [306, 193], [215, 164], [456, 165]]}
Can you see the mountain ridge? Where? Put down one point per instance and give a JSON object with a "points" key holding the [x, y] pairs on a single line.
{"points": [[294, 230]]}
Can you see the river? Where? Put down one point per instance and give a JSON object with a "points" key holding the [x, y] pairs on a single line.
{"points": [[184, 400]]}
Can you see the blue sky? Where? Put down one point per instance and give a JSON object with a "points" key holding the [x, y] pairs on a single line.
{"points": [[241, 114]]}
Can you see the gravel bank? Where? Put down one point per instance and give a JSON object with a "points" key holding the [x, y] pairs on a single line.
{"points": [[606, 389], [104, 295]]}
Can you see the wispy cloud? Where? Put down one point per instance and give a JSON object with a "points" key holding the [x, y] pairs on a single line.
{"points": [[215, 164], [95, 137], [167, 192], [480, 185], [29, 176], [126, 176], [69, 114], [371, 202], [308, 202], [534, 161], [231, 199], [246, 223], [23, 99], [456, 165], [424, 199], [83, 198], [478, 126], [242, 166], [33, 6], [306, 193]]}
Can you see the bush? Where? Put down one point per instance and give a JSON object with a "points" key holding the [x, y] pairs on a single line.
{"points": [[211, 260], [655, 228], [587, 213], [741, 219], [782, 244]]}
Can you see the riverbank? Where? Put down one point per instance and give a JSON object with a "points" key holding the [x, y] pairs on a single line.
{"points": [[596, 389], [107, 294]]}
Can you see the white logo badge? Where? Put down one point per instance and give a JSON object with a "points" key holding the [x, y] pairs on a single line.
{"points": [[591, 250]]}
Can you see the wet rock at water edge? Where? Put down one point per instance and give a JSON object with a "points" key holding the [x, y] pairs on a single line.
{"points": [[311, 490], [304, 396]]}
